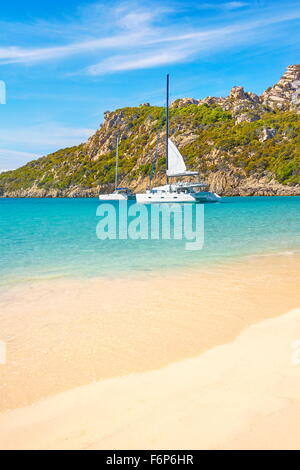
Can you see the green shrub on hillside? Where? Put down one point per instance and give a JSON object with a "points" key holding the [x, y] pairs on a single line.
{"points": [[237, 145]]}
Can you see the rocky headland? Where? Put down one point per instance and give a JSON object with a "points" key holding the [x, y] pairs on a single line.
{"points": [[242, 145]]}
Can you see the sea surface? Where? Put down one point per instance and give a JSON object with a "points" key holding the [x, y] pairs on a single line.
{"points": [[56, 238]]}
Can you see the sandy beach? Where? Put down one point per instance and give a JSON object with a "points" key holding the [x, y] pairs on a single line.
{"points": [[244, 395], [198, 359], [150, 227]]}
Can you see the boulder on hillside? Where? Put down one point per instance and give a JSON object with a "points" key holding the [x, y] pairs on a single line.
{"points": [[285, 95], [184, 102], [246, 117], [237, 93], [266, 134]]}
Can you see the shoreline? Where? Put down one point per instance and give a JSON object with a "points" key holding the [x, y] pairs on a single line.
{"points": [[286, 192], [68, 333], [188, 268], [242, 395]]}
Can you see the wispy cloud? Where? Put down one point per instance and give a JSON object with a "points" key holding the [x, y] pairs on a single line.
{"points": [[45, 134], [19, 54], [11, 159], [145, 37], [222, 6], [137, 61], [184, 46], [125, 26], [48, 135]]}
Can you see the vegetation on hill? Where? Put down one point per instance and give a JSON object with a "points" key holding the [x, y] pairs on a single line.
{"points": [[207, 136]]}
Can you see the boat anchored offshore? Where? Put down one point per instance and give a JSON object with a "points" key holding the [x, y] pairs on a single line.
{"points": [[181, 191], [178, 192], [119, 194]]}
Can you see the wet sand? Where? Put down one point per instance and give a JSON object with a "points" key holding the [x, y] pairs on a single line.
{"points": [[65, 334], [62, 334]]}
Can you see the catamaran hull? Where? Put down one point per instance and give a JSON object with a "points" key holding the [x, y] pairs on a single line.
{"points": [[152, 198], [208, 197], [116, 197]]}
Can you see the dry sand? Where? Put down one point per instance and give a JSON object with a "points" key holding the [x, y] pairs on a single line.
{"points": [[64, 334], [241, 395]]}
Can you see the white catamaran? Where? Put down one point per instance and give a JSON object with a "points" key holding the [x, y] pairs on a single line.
{"points": [[119, 194], [178, 191]]}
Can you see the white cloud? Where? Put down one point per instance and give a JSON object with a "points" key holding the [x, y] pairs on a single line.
{"points": [[222, 6], [137, 61], [43, 138], [116, 28], [18, 54], [233, 5], [143, 37], [45, 134], [11, 159], [184, 46]]}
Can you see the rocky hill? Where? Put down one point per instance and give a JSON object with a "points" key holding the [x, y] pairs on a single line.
{"points": [[243, 144]]}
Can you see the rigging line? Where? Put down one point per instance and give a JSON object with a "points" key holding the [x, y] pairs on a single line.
{"points": [[156, 148]]}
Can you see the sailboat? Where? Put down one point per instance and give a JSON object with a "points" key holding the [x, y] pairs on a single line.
{"points": [[119, 194], [176, 168]]}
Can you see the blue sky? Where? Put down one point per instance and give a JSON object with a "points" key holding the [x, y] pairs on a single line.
{"points": [[65, 63]]}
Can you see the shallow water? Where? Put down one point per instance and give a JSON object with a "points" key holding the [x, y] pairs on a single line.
{"points": [[52, 238]]}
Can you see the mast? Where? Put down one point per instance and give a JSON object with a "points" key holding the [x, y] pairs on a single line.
{"points": [[117, 162], [167, 128]]}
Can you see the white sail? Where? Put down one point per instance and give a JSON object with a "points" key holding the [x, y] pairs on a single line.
{"points": [[176, 165], [175, 160]]}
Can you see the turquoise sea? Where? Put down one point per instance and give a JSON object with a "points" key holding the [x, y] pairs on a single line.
{"points": [[56, 238]]}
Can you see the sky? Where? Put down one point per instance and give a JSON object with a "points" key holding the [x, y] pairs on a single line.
{"points": [[64, 63]]}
